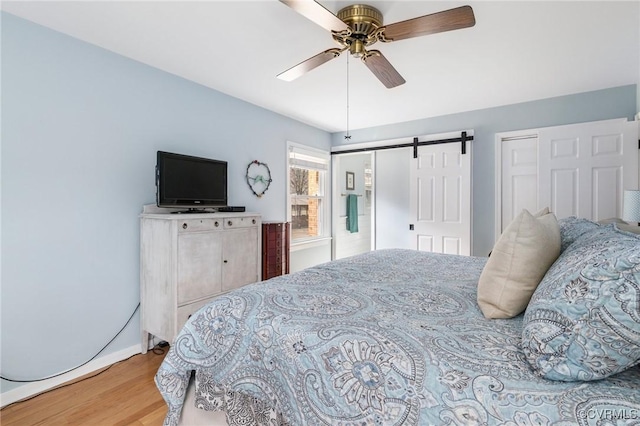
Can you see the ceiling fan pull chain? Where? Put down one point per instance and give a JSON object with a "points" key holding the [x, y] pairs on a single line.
{"points": [[347, 136]]}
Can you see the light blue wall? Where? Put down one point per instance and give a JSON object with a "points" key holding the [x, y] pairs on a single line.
{"points": [[80, 129], [591, 106]]}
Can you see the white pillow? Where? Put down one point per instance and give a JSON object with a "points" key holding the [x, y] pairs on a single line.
{"points": [[523, 254]]}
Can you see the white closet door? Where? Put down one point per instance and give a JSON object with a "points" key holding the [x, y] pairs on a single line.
{"points": [[440, 199], [519, 188], [584, 168]]}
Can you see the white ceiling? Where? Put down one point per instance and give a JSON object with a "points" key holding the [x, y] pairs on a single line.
{"points": [[517, 51]]}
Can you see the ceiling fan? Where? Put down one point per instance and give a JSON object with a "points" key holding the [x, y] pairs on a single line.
{"points": [[358, 26]]}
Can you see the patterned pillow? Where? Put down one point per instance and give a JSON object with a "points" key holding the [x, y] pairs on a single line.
{"points": [[573, 227], [583, 321]]}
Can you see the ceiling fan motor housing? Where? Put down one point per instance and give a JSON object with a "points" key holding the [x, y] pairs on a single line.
{"points": [[361, 18], [363, 21]]}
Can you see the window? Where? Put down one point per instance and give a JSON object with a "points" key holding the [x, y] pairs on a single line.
{"points": [[307, 193]]}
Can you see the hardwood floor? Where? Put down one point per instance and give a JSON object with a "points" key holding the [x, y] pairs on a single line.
{"points": [[125, 394]]}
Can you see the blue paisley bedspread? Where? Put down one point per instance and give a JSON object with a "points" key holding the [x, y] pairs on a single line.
{"points": [[391, 337]]}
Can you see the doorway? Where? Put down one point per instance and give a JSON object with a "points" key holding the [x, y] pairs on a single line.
{"points": [[353, 204], [403, 204]]}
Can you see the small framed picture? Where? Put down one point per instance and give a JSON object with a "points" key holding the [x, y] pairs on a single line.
{"points": [[351, 181]]}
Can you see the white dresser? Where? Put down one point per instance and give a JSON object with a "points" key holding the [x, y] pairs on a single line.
{"points": [[187, 259]]}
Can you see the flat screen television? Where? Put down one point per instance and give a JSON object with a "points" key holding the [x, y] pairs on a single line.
{"points": [[190, 182]]}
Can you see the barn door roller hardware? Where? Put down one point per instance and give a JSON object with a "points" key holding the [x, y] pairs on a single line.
{"points": [[463, 139]]}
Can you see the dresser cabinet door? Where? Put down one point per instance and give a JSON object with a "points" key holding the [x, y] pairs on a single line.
{"points": [[199, 255], [240, 258]]}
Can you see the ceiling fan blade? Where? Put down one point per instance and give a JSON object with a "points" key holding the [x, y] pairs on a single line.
{"points": [[311, 63], [382, 68], [317, 13], [447, 20]]}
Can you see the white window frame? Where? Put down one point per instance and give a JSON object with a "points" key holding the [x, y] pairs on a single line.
{"points": [[320, 157]]}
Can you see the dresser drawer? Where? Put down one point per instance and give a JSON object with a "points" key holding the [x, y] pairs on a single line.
{"points": [[274, 270], [199, 225], [273, 244], [273, 252], [239, 222], [185, 312]]}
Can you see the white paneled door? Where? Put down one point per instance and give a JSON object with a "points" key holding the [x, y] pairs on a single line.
{"points": [[519, 189], [584, 168], [440, 199], [575, 170]]}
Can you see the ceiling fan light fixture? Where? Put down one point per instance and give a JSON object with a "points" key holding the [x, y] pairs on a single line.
{"points": [[356, 48]]}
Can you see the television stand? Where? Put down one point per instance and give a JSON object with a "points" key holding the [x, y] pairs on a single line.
{"points": [[186, 260]]}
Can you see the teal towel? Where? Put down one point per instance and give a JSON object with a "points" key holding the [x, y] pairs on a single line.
{"points": [[352, 213]]}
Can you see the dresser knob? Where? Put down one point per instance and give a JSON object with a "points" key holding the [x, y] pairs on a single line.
{"points": [[229, 223], [224, 261], [184, 226], [253, 221], [216, 224]]}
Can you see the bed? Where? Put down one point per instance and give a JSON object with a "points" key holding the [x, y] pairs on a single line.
{"points": [[391, 337]]}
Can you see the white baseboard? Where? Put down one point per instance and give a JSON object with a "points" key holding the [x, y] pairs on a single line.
{"points": [[35, 388]]}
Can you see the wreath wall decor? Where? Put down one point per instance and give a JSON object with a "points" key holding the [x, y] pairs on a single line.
{"points": [[258, 177]]}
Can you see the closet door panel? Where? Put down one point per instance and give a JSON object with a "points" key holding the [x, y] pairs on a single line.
{"points": [[607, 187], [564, 196], [520, 178], [584, 168], [575, 170]]}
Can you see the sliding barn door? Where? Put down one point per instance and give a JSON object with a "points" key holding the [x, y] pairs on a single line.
{"points": [[584, 168], [440, 199]]}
